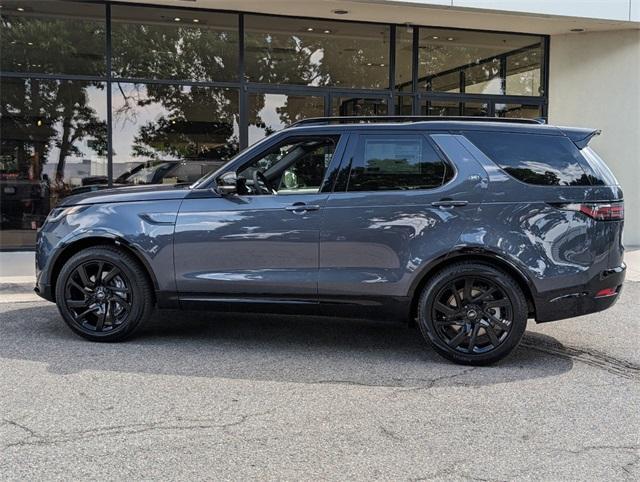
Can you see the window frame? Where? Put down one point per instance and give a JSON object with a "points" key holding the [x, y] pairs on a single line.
{"points": [[353, 152], [582, 162], [340, 139]]}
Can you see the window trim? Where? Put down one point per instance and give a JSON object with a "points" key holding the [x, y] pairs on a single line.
{"points": [[524, 183], [427, 138]]}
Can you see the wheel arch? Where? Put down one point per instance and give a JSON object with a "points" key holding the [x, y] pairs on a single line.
{"points": [[480, 256], [94, 241]]}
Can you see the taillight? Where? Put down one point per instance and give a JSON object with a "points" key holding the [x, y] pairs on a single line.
{"points": [[598, 211]]}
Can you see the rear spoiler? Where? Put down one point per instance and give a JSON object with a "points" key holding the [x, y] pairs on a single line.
{"points": [[580, 136]]}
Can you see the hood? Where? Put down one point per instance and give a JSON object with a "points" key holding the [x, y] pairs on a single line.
{"points": [[129, 194]]}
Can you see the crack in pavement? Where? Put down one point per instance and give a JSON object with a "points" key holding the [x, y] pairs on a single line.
{"points": [[622, 368], [35, 438]]}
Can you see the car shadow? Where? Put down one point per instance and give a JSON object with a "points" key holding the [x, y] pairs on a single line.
{"points": [[267, 347]]}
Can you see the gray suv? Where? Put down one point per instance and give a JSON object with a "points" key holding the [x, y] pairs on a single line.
{"points": [[467, 228]]}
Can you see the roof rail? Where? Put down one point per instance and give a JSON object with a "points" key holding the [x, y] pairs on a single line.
{"points": [[407, 118]]}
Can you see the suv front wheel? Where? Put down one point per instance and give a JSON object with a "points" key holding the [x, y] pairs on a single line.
{"points": [[103, 294], [472, 313]]}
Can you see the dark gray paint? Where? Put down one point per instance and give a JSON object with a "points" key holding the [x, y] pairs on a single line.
{"points": [[354, 246]]}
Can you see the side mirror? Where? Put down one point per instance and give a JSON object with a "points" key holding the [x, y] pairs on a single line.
{"points": [[227, 184]]}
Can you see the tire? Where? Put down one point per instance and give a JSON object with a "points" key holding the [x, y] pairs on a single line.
{"points": [[472, 313], [113, 308]]}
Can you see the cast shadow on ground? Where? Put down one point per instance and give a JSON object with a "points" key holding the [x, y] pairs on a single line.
{"points": [[269, 348]]}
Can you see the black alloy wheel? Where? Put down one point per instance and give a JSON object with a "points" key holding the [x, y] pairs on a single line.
{"points": [[98, 296], [473, 313], [104, 294]]}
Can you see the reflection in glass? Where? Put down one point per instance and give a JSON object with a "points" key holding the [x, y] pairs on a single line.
{"points": [[271, 112], [404, 59], [52, 37], [479, 62], [523, 72], [151, 43], [350, 106], [171, 133], [475, 109], [53, 142], [316, 52], [404, 105], [518, 110], [441, 108]]}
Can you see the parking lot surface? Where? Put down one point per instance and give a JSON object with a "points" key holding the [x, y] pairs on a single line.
{"points": [[204, 396]]}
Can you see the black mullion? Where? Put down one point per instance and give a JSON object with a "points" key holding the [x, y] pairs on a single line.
{"points": [[108, 48], [414, 70], [243, 115], [392, 70]]}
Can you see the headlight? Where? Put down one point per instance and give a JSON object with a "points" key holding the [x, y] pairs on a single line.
{"points": [[57, 214]]}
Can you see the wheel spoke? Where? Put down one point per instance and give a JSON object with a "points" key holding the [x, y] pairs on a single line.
{"points": [[119, 289], [486, 295], [99, 273], [122, 302], [82, 272], [456, 295], [474, 337], [450, 322], [101, 319], [77, 303], [82, 315], [456, 340], [109, 313], [492, 335], [111, 274], [468, 284], [497, 322], [497, 304], [447, 310], [79, 286]]}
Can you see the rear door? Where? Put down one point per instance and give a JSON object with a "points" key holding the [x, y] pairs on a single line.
{"points": [[401, 200]]}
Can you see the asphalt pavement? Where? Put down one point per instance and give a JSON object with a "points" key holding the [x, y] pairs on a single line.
{"points": [[227, 397]]}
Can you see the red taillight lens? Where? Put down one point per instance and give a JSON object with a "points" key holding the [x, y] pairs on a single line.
{"points": [[607, 292], [598, 211]]}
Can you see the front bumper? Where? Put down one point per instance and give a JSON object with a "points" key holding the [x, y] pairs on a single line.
{"points": [[580, 300]]}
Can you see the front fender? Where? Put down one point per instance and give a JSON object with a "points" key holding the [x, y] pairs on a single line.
{"points": [[144, 228]]}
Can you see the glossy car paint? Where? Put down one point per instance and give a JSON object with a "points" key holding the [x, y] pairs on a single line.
{"points": [[358, 250]]}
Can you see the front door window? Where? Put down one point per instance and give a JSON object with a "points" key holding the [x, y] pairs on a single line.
{"points": [[297, 166]]}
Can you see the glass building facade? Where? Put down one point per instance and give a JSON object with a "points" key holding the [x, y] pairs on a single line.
{"points": [[98, 94]]}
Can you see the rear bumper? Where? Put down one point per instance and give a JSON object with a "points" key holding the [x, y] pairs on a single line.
{"points": [[580, 300]]}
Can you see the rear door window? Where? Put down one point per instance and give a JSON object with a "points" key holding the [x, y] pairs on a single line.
{"points": [[398, 162], [536, 159]]}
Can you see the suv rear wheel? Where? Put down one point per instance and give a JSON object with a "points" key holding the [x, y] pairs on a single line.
{"points": [[472, 313], [103, 294]]}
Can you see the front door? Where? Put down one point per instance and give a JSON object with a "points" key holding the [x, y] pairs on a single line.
{"points": [[263, 241]]}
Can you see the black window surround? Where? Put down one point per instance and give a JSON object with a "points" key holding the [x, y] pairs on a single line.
{"points": [[419, 97]]}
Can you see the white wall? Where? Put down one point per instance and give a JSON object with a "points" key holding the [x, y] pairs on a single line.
{"points": [[595, 82], [602, 9]]}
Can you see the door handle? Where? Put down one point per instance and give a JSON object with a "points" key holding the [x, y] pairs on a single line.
{"points": [[449, 203], [302, 207]]}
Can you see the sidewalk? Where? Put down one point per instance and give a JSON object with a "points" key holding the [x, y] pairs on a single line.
{"points": [[17, 271]]}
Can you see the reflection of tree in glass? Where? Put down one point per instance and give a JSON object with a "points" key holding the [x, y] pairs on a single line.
{"points": [[52, 45], [38, 115], [198, 122]]}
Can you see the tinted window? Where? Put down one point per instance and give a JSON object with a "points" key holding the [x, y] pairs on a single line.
{"points": [[536, 159], [295, 166], [396, 162]]}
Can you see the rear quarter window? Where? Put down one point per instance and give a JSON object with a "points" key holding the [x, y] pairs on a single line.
{"points": [[536, 159]]}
